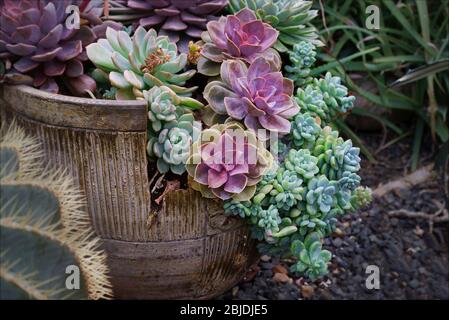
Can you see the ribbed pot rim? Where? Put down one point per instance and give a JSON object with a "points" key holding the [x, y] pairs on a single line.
{"points": [[75, 112]]}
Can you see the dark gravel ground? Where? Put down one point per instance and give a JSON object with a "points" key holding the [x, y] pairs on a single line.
{"points": [[412, 260]]}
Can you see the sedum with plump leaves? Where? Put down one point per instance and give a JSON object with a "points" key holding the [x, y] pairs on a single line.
{"points": [[302, 57], [138, 63]]}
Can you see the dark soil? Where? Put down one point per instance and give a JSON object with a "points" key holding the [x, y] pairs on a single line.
{"points": [[412, 261]]}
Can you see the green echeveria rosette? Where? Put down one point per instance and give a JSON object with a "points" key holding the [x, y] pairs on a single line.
{"points": [[311, 100], [138, 63], [335, 95], [165, 106], [302, 162], [302, 57], [312, 259], [349, 181], [287, 189], [172, 145], [290, 17], [320, 195], [335, 156], [305, 130]]}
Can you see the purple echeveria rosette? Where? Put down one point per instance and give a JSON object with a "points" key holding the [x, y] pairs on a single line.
{"points": [[241, 36], [40, 48], [257, 95]]}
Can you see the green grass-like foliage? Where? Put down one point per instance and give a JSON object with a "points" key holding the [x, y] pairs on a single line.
{"points": [[406, 59], [43, 228]]}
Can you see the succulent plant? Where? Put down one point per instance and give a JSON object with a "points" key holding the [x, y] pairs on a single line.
{"points": [[258, 95], [322, 225], [165, 106], [335, 95], [302, 162], [230, 165], [237, 208], [41, 49], [312, 259], [171, 147], [43, 227], [269, 219], [287, 189], [239, 36], [335, 155], [349, 181], [179, 19], [302, 58], [137, 63], [311, 100], [320, 195], [244, 209], [362, 197], [305, 130], [290, 17]]}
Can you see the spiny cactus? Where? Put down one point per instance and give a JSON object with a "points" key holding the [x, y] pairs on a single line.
{"points": [[43, 228]]}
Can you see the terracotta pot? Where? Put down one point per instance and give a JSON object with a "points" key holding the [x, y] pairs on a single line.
{"points": [[188, 249]]}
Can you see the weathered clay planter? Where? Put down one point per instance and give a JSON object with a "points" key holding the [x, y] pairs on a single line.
{"points": [[188, 250]]}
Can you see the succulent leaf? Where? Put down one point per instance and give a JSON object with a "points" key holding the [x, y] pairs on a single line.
{"points": [[228, 163], [290, 17], [140, 62], [42, 49]]}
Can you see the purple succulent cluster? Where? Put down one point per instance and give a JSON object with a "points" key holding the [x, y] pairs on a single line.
{"points": [[175, 16], [259, 95], [230, 165], [240, 36], [35, 39]]}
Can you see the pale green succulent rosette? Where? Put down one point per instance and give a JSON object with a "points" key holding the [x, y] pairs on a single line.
{"points": [[171, 147], [138, 63], [164, 105]]}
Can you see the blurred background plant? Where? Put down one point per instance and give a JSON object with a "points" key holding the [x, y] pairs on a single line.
{"points": [[398, 72], [44, 228]]}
